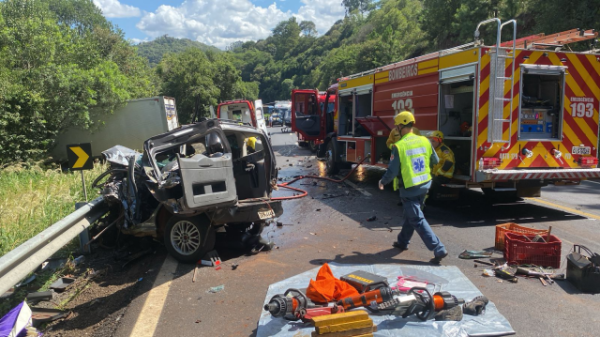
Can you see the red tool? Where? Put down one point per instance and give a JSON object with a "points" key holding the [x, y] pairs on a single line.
{"points": [[294, 305]]}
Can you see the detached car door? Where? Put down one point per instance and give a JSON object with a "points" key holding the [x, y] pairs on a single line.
{"points": [[307, 115], [204, 166]]}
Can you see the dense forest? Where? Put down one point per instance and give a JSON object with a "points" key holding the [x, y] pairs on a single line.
{"points": [[63, 64]]}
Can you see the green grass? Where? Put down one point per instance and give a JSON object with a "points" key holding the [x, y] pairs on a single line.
{"points": [[32, 199]]}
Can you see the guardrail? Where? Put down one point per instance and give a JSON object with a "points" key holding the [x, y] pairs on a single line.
{"points": [[21, 261]]}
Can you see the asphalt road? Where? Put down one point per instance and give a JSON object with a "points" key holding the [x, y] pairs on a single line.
{"points": [[330, 225]]}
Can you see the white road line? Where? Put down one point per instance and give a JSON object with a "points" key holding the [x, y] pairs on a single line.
{"points": [[145, 325]]}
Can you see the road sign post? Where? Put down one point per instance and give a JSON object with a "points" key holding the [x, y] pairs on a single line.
{"points": [[80, 159]]}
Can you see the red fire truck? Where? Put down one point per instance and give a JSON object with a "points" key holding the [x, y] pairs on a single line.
{"points": [[311, 121], [244, 111], [518, 115]]}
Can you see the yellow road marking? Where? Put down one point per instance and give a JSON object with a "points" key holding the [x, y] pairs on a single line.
{"points": [[82, 156], [147, 321], [564, 208]]}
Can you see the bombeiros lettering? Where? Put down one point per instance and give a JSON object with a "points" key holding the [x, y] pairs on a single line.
{"points": [[403, 72]]}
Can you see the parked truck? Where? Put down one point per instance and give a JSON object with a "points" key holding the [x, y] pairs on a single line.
{"points": [[313, 126], [519, 115], [129, 126]]}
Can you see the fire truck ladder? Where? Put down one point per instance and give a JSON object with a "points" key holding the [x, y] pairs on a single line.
{"points": [[557, 40], [496, 119]]}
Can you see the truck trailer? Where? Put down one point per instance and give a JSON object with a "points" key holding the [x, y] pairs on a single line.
{"points": [[129, 126], [519, 115]]}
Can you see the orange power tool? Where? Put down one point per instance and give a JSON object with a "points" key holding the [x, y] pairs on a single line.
{"points": [[418, 301]]}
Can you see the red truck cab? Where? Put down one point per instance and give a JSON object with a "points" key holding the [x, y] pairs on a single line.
{"points": [[313, 116]]}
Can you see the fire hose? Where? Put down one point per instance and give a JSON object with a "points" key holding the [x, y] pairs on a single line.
{"points": [[305, 193]]}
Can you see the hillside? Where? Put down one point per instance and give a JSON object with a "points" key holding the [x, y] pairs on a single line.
{"points": [[154, 50]]}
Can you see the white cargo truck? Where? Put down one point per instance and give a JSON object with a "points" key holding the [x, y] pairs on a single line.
{"points": [[130, 126]]}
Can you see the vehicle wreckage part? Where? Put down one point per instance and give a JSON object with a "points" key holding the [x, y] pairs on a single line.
{"points": [[189, 238], [305, 193]]}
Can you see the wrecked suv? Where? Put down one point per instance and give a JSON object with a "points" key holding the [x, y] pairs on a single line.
{"points": [[192, 182]]}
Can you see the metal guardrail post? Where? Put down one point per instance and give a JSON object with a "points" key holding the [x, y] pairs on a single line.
{"points": [[16, 264]]}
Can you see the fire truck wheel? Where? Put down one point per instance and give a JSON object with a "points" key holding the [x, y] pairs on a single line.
{"points": [[188, 239], [330, 155], [312, 146]]}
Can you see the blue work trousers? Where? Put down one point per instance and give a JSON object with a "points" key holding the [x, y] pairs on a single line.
{"points": [[414, 220]]}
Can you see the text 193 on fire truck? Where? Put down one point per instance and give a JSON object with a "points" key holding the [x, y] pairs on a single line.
{"points": [[518, 115]]}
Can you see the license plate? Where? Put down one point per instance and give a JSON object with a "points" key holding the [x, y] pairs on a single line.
{"points": [[581, 150], [266, 214]]}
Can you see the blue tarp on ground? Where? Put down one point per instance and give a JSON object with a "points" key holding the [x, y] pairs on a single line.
{"points": [[450, 278]]}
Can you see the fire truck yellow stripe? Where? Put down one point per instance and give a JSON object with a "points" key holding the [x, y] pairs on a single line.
{"points": [[594, 62], [457, 59], [584, 74], [427, 71], [429, 64]]}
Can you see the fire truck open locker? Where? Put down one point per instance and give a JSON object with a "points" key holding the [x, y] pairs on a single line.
{"points": [[518, 115]]}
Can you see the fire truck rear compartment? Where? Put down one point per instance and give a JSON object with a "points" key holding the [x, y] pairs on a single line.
{"points": [[455, 121], [541, 106]]}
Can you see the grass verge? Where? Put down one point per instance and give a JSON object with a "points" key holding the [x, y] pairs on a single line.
{"points": [[32, 199]]}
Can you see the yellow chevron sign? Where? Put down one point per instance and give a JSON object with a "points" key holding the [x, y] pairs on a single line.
{"points": [[79, 156]]}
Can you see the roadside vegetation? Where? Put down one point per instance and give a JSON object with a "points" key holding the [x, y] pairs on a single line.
{"points": [[33, 198]]}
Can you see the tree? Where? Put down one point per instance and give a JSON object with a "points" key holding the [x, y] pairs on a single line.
{"points": [[61, 65], [308, 28], [360, 5], [187, 77]]}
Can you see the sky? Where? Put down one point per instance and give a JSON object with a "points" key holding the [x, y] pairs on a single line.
{"points": [[215, 22]]}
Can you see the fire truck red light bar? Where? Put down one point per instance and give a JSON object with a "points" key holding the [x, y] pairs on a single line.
{"points": [[588, 161], [489, 163]]}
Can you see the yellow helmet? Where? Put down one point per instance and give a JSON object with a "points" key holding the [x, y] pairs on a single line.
{"points": [[404, 118], [251, 142], [437, 135]]}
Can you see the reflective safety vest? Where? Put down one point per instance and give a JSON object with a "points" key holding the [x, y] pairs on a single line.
{"points": [[415, 152]]}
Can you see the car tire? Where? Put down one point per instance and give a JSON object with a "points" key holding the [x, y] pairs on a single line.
{"points": [[188, 239], [331, 163]]}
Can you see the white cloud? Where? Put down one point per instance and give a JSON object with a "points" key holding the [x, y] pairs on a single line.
{"points": [[219, 23], [115, 9], [324, 13]]}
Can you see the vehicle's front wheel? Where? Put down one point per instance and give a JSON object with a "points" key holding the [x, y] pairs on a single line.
{"points": [[331, 158], [188, 239]]}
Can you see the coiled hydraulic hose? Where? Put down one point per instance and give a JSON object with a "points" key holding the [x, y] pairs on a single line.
{"points": [[305, 193]]}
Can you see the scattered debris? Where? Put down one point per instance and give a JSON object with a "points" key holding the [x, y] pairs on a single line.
{"points": [[311, 233], [318, 210], [279, 224], [41, 315], [474, 254], [198, 321], [79, 259], [195, 270], [216, 289], [62, 283], [26, 281], [234, 266], [309, 166], [373, 218], [40, 296], [489, 272], [291, 164]]}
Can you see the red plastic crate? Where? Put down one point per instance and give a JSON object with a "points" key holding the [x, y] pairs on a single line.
{"points": [[511, 227], [518, 250]]}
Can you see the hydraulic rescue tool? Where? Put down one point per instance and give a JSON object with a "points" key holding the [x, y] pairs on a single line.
{"points": [[294, 305], [418, 301]]}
